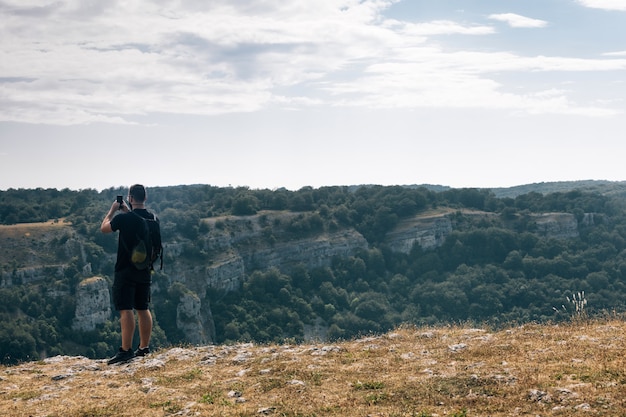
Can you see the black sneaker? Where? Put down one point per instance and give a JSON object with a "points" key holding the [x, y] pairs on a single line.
{"points": [[122, 356], [142, 351]]}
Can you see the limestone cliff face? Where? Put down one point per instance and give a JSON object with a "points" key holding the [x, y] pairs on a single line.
{"points": [[317, 251], [225, 274], [46, 259], [557, 225], [427, 232], [240, 244], [195, 321], [232, 248], [30, 274], [93, 305], [431, 231], [230, 255]]}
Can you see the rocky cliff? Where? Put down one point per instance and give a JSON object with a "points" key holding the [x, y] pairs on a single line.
{"points": [[558, 225], [430, 231], [194, 319], [93, 305], [234, 246], [427, 232], [223, 254]]}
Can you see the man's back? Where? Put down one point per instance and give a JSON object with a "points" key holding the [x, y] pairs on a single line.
{"points": [[131, 228]]}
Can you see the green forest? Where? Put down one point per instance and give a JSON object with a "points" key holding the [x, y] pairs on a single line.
{"points": [[497, 269]]}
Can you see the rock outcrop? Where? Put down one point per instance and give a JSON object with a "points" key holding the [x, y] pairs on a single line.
{"points": [[314, 252], [30, 274], [235, 246], [431, 231], [93, 305], [427, 232], [556, 225], [195, 321]]}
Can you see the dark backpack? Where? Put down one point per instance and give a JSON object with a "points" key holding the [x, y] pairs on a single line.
{"points": [[149, 246]]}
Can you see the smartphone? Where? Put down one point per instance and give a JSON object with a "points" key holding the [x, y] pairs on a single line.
{"points": [[120, 199]]}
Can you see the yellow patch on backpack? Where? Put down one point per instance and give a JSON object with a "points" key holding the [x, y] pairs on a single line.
{"points": [[139, 253]]}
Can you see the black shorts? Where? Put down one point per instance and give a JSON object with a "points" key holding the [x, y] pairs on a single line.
{"points": [[128, 294]]}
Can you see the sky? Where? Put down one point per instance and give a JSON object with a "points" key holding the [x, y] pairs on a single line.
{"points": [[271, 93]]}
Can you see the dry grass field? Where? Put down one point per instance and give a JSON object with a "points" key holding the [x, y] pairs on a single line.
{"points": [[577, 368], [24, 243]]}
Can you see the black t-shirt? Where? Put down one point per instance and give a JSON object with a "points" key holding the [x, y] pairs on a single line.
{"points": [[130, 226]]}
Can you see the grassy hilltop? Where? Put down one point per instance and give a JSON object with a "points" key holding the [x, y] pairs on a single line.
{"points": [[576, 368]]}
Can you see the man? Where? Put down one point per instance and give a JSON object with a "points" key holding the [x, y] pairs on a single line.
{"points": [[131, 287]]}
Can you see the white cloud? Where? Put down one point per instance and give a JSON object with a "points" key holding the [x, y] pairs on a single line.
{"points": [[619, 5], [443, 27], [73, 62], [518, 21], [460, 80]]}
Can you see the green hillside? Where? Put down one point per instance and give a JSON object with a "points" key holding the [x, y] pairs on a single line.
{"points": [[498, 260]]}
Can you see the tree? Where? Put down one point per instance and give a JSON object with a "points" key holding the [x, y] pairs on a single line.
{"points": [[245, 205]]}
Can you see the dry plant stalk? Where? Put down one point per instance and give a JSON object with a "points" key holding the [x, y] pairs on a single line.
{"points": [[579, 301], [547, 370]]}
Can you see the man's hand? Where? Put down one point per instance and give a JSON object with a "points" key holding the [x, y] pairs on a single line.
{"points": [[105, 227]]}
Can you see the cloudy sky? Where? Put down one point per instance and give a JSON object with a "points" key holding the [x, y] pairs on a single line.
{"points": [[274, 93]]}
